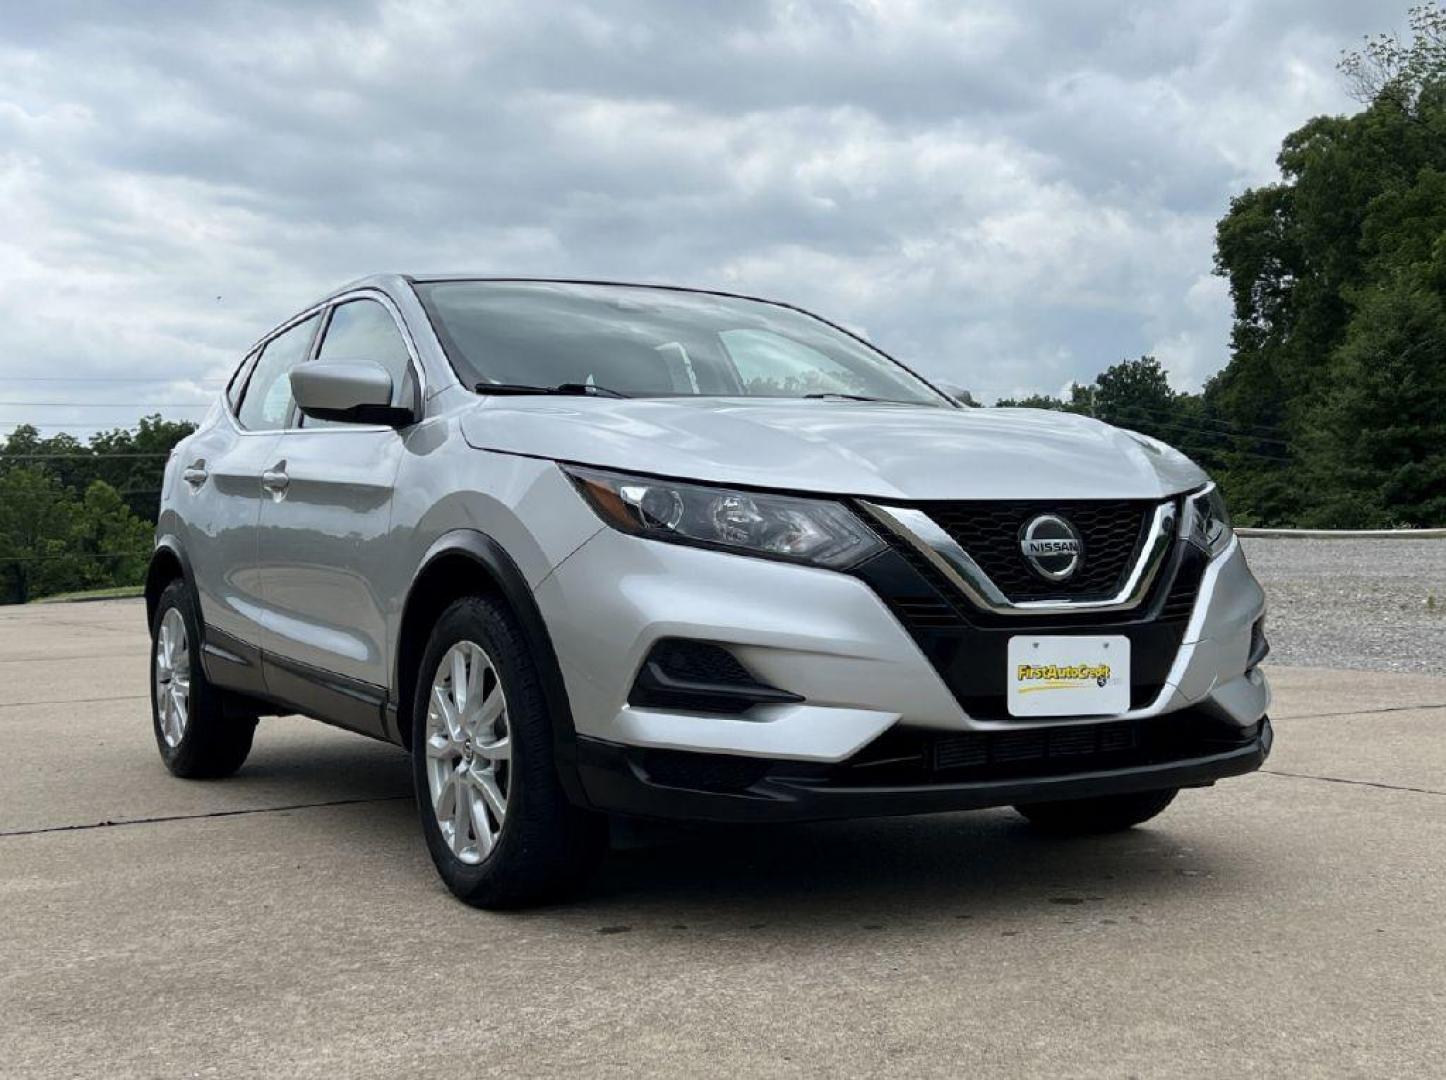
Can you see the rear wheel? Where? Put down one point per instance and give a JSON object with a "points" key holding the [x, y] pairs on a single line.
{"points": [[1108, 813], [197, 740], [499, 828]]}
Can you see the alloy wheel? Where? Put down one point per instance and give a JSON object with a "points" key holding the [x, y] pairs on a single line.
{"points": [[173, 677], [468, 751]]}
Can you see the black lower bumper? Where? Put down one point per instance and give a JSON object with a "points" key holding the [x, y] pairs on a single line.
{"points": [[919, 773]]}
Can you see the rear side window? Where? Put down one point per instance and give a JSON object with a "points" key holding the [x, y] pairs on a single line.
{"points": [[365, 330], [266, 403]]}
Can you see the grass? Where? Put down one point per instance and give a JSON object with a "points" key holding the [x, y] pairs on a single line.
{"points": [[114, 592]]}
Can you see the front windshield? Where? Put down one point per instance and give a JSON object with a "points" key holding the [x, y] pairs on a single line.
{"points": [[646, 342]]}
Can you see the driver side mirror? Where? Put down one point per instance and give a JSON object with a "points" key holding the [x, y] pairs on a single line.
{"points": [[355, 392]]}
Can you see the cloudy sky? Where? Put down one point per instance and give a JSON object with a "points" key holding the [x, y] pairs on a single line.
{"points": [[1011, 195]]}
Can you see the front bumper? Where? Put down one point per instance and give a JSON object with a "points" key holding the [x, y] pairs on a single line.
{"points": [[834, 641], [894, 689], [697, 787]]}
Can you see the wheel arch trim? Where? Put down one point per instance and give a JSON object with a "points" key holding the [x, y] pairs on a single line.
{"points": [[168, 551], [502, 572]]}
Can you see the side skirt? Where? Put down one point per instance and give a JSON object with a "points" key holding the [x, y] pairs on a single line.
{"points": [[288, 686]]}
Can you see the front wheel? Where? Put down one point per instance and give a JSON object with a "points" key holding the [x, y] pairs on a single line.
{"points": [[1107, 813], [499, 828], [196, 738]]}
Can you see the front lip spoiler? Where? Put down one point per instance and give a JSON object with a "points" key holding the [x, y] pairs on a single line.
{"points": [[613, 782]]}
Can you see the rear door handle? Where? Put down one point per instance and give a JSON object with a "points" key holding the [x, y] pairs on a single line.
{"points": [[275, 480], [195, 474]]}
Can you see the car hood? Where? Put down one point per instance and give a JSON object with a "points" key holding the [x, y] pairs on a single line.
{"points": [[874, 450]]}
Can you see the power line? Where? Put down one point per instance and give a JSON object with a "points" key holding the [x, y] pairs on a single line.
{"points": [[1230, 424], [1190, 426], [110, 404], [64, 427], [1228, 449], [1211, 420], [88, 379], [74, 555], [97, 456]]}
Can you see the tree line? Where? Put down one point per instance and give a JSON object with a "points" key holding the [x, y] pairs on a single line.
{"points": [[1331, 411], [78, 515]]}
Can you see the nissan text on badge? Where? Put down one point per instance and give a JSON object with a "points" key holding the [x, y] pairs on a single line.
{"points": [[591, 550]]}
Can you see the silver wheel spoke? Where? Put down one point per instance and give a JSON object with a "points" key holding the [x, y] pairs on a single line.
{"points": [[477, 668], [443, 796], [501, 750], [446, 711], [459, 680], [461, 816], [491, 708], [481, 827], [486, 785]]}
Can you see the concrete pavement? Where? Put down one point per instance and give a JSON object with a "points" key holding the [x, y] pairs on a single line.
{"points": [[287, 922]]}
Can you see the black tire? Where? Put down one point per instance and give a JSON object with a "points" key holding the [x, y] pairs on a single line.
{"points": [[1106, 814], [545, 847], [211, 744]]}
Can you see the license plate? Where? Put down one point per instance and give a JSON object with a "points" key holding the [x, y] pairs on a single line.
{"points": [[1068, 676]]}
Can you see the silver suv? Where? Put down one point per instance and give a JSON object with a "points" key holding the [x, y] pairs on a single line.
{"points": [[589, 549]]}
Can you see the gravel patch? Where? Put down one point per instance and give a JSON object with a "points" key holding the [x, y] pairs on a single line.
{"points": [[1374, 604]]}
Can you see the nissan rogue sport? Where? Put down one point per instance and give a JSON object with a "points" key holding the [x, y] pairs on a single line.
{"points": [[590, 549]]}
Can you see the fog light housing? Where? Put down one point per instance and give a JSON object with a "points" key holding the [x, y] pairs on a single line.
{"points": [[1259, 646], [699, 676]]}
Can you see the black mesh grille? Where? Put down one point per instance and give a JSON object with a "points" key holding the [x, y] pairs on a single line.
{"points": [[1180, 601], [703, 772], [701, 661], [990, 532], [978, 748]]}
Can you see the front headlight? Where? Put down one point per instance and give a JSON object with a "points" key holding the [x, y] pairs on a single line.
{"points": [[749, 522], [1207, 522]]}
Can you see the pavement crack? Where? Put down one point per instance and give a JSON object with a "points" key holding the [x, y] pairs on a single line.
{"points": [[74, 701], [1361, 712], [1356, 783], [196, 817], [52, 659]]}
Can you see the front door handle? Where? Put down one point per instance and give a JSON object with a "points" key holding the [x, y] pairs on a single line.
{"points": [[275, 480], [195, 473]]}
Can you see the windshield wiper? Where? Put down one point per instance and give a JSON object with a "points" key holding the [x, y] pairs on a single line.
{"points": [[852, 397], [574, 389]]}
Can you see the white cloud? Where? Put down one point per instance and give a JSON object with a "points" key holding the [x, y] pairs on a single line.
{"points": [[1009, 196]]}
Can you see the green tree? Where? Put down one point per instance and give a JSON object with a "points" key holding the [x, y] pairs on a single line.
{"points": [[1136, 394], [1386, 69], [1331, 396], [117, 542], [38, 520], [52, 540], [132, 461], [1031, 401], [1378, 436]]}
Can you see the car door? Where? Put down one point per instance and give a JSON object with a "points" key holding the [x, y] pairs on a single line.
{"points": [[219, 496], [323, 537]]}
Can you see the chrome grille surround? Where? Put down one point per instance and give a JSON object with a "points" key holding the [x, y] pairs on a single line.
{"points": [[916, 528]]}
